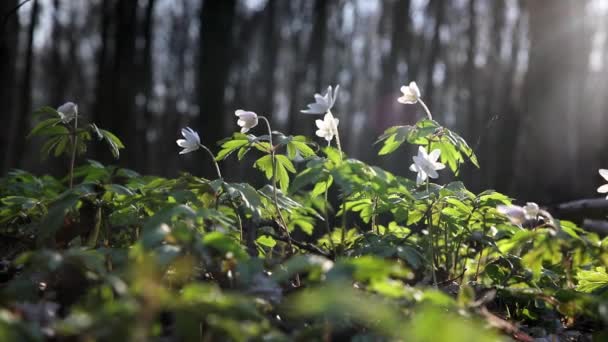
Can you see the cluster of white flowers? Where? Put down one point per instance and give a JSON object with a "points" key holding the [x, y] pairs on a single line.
{"points": [[328, 127], [425, 164]]}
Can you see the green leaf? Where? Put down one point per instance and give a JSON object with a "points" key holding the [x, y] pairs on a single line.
{"points": [[224, 244], [592, 280], [229, 145], [393, 138], [44, 125], [264, 164], [55, 217], [113, 141]]}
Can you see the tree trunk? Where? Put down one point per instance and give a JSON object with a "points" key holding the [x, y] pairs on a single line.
{"points": [[510, 121], [117, 78], [313, 61], [8, 56], [215, 49], [146, 79], [438, 9], [548, 151], [19, 126]]}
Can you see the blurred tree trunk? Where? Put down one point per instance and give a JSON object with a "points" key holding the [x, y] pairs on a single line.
{"points": [[102, 78], [548, 151], [269, 61], [215, 49], [117, 75], [146, 79], [313, 66], [8, 56], [19, 126], [510, 120], [400, 39], [473, 127], [124, 74], [437, 7], [57, 73]]}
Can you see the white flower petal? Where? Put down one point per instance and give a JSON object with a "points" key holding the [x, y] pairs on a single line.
{"points": [[604, 173], [603, 189], [434, 155], [420, 177], [439, 166], [414, 89]]}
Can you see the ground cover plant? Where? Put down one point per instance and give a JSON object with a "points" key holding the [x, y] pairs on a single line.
{"points": [[331, 248]]}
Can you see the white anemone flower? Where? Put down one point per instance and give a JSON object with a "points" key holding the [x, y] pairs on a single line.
{"points": [[247, 120], [328, 127], [411, 94], [67, 112], [604, 188], [520, 215], [323, 103], [191, 143], [426, 165]]}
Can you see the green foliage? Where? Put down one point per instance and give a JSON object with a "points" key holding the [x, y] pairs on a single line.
{"points": [[337, 250], [60, 136], [454, 149]]}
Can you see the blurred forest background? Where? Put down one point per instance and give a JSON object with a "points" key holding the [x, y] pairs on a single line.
{"points": [[524, 81]]}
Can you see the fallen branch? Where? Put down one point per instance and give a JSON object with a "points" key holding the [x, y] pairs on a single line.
{"points": [[596, 226], [579, 210]]}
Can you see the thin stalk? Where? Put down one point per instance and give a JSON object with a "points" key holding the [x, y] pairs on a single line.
{"points": [[343, 236], [478, 263], [217, 167], [74, 147], [426, 109], [331, 241], [446, 248], [374, 206], [431, 244], [274, 184]]}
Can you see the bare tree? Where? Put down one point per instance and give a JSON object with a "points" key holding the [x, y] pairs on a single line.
{"points": [[9, 34], [19, 126]]}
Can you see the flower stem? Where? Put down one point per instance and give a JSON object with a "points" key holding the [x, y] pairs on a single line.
{"points": [[327, 227], [274, 184], [431, 244], [217, 167], [426, 109], [74, 147]]}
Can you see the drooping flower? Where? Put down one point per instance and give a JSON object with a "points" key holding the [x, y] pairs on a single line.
{"points": [[520, 215], [191, 142], [328, 127], [426, 165], [247, 120], [323, 103], [67, 112], [411, 94], [604, 188]]}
